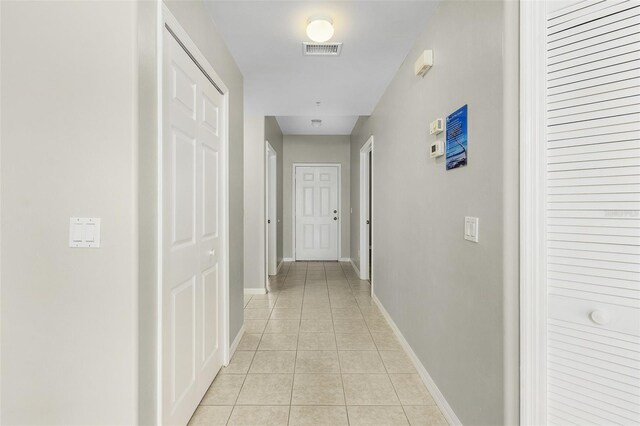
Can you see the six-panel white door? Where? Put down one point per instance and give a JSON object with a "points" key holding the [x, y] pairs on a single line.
{"points": [[192, 250], [317, 213]]}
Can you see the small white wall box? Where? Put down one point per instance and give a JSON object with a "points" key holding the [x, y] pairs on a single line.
{"points": [[84, 232], [471, 225], [437, 149], [424, 62], [436, 127]]}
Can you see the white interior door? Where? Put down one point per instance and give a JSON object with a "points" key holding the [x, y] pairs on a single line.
{"points": [[192, 351], [592, 213], [317, 213]]}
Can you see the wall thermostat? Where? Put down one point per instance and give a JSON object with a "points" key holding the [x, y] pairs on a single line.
{"points": [[436, 127], [437, 149]]}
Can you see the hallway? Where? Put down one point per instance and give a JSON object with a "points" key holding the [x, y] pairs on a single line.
{"points": [[317, 350]]}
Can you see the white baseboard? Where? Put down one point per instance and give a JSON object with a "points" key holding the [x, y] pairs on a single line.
{"points": [[279, 266], [355, 268], [345, 259], [442, 403], [288, 259], [255, 291], [236, 342]]}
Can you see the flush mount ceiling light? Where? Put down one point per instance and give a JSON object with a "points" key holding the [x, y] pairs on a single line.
{"points": [[316, 123], [320, 29]]}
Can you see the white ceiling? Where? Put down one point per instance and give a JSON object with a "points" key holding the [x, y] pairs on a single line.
{"points": [[265, 38], [300, 125]]}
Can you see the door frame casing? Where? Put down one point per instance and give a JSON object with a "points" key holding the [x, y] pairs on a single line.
{"points": [[168, 19], [365, 185], [271, 199], [533, 295], [293, 204]]}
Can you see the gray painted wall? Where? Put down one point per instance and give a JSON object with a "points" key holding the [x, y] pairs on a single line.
{"points": [[316, 149], [453, 300], [258, 129], [69, 135], [254, 198], [273, 134]]}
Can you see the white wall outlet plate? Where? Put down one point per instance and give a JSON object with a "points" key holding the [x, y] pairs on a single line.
{"points": [[436, 149], [84, 232], [471, 225], [436, 127]]}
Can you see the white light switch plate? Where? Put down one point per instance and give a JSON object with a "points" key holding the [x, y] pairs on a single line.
{"points": [[84, 232], [471, 225]]}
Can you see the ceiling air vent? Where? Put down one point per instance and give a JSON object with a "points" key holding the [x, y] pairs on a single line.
{"points": [[321, 49]]}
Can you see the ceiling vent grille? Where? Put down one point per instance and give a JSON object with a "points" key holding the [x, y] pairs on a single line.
{"points": [[321, 49]]}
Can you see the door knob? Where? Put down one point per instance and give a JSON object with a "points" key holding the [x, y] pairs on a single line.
{"points": [[269, 221], [335, 218], [599, 317], [335, 211], [367, 221]]}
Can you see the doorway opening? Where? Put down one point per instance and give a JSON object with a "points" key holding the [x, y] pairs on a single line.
{"points": [[271, 160], [366, 204], [316, 215]]}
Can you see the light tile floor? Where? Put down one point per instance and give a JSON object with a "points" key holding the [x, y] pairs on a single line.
{"points": [[317, 351]]}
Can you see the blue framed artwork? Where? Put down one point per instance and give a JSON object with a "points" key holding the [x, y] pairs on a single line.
{"points": [[457, 139]]}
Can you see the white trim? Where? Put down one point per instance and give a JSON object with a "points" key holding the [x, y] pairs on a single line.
{"points": [[280, 265], [270, 155], [288, 259], [166, 17], [258, 290], [533, 299], [293, 203], [364, 203], [344, 259], [431, 386], [159, 209], [355, 268], [235, 343]]}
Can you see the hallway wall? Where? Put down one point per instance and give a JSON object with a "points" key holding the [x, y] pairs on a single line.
{"points": [[69, 132], [254, 198], [258, 129], [454, 301], [316, 149]]}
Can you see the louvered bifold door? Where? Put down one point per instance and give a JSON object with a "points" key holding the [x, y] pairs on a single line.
{"points": [[593, 213]]}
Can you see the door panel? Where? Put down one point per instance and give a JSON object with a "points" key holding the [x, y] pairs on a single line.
{"points": [[192, 247], [592, 204], [317, 215]]}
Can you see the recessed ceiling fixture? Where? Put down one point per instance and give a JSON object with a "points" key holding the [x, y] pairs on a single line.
{"points": [[320, 29], [316, 123]]}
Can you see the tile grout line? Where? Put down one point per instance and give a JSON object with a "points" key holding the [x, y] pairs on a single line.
{"points": [[344, 394], [295, 360]]}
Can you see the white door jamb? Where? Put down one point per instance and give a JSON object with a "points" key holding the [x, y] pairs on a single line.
{"points": [[533, 298]]}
